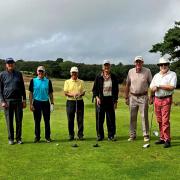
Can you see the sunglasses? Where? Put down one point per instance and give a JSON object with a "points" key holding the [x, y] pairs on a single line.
{"points": [[138, 61], [165, 64], [41, 71]]}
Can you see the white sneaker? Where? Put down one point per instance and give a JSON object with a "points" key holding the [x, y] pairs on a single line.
{"points": [[19, 142], [131, 139], [146, 139], [11, 142]]}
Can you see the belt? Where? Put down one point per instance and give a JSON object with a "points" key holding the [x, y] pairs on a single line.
{"points": [[139, 94], [17, 100], [163, 97]]}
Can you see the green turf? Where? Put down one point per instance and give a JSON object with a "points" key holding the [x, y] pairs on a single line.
{"points": [[112, 160]]}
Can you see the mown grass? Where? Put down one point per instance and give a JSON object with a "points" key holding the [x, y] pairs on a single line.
{"points": [[112, 160]]}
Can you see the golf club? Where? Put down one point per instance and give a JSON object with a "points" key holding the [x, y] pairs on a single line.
{"points": [[97, 125], [148, 144], [75, 145], [97, 111]]}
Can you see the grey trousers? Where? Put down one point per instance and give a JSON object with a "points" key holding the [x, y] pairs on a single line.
{"points": [[14, 108], [138, 103]]}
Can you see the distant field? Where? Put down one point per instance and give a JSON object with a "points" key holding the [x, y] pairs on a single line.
{"points": [[112, 160]]}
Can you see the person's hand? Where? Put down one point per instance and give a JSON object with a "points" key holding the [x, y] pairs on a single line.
{"points": [[32, 107], [98, 101], [155, 88], [52, 107], [115, 105], [127, 101], [151, 99], [4, 105], [76, 95], [24, 104]]}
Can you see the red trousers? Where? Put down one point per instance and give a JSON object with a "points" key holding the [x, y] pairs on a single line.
{"points": [[162, 110]]}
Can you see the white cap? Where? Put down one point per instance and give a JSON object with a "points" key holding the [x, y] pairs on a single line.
{"points": [[74, 69], [106, 61], [140, 58], [41, 68], [163, 60]]}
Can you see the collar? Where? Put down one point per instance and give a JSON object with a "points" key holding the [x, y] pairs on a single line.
{"points": [[40, 78], [74, 80], [165, 73]]}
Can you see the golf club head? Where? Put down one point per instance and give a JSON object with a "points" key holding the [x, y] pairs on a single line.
{"points": [[156, 133], [146, 145], [74, 145], [96, 145]]}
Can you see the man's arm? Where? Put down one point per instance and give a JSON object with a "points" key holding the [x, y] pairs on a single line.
{"points": [[1, 91], [51, 97], [31, 101], [166, 87], [127, 87], [23, 90], [31, 95]]}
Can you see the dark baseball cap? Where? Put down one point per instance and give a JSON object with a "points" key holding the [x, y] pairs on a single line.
{"points": [[9, 60]]}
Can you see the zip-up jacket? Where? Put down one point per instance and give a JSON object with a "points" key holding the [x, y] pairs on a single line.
{"points": [[98, 87], [12, 86]]}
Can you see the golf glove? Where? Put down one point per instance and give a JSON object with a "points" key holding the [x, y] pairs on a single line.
{"points": [[52, 107]]}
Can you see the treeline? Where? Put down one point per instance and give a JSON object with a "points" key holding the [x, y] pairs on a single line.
{"points": [[88, 72]]}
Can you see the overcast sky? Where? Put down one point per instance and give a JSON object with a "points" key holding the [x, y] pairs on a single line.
{"points": [[85, 31]]}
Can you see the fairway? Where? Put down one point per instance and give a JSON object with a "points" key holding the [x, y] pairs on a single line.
{"points": [[112, 160]]}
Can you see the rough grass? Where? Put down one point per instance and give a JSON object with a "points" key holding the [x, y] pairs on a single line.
{"points": [[112, 160]]}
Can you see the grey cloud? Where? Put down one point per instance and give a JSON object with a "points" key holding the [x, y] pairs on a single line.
{"points": [[84, 31]]}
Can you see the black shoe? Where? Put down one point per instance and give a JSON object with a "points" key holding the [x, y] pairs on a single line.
{"points": [[160, 141], [81, 138], [48, 140], [71, 138], [112, 139], [19, 142], [167, 144], [100, 138], [36, 140]]}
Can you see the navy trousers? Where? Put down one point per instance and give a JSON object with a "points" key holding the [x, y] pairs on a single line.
{"points": [[71, 110], [106, 108], [41, 108]]}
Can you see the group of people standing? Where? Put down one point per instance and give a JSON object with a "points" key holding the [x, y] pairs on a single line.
{"points": [[162, 87], [105, 92]]}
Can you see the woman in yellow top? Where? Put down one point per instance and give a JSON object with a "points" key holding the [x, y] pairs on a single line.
{"points": [[74, 90]]}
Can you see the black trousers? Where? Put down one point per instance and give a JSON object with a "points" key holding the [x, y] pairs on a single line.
{"points": [[41, 108], [106, 108], [14, 107], [71, 110]]}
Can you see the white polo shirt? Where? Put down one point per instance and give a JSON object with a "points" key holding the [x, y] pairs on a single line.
{"points": [[159, 79]]}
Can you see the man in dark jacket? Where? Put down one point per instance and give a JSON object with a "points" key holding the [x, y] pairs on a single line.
{"points": [[105, 91], [13, 99]]}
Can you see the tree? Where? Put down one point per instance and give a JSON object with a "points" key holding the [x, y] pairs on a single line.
{"points": [[171, 43], [59, 60]]}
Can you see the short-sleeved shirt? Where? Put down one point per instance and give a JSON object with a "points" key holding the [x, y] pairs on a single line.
{"points": [[169, 78], [74, 86], [139, 81], [41, 88]]}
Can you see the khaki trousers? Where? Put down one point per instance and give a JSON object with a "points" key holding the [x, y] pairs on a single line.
{"points": [[138, 103]]}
